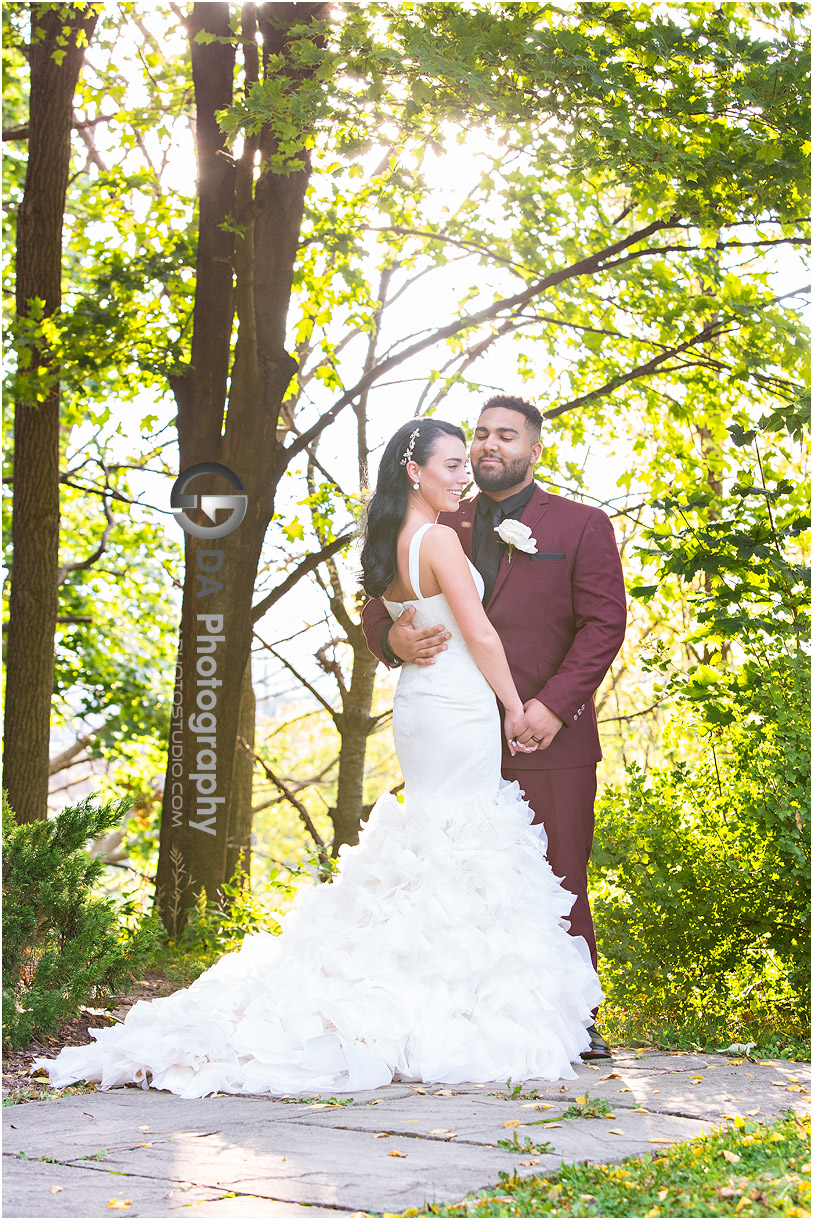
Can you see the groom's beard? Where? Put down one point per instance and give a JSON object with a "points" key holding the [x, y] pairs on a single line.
{"points": [[502, 477]]}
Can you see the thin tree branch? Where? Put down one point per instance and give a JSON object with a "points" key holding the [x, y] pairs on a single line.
{"points": [[80, 564], [324, 859], [632, 715], [296, 674], [22, 132], [60, 761], [307, 565], [586, 266], [640, 370]]}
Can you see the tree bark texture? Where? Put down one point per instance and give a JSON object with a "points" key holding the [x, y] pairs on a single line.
{"points": [[228, 408], [354, 723], [59, 33]]}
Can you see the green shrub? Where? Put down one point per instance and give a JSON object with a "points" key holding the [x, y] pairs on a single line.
{"points": [[214, 928], [62, 947], [696, 913], [701, 871]]}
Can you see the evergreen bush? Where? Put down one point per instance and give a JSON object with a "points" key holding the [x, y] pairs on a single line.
{"points": [[62, 947]]}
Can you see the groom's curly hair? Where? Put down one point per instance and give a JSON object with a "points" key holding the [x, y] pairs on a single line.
{"points": [[533, 417], [385, 511]]}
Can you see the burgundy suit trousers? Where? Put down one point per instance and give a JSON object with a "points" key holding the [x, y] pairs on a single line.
{"points": [[563, 799]]}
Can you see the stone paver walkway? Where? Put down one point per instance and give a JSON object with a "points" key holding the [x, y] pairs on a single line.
{"points": [[398, 1147]]}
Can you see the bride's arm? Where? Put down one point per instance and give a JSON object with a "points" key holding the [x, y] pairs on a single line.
{"points": [[443, 552]]}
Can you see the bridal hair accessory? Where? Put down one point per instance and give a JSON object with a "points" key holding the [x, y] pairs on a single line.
{"points": [[410, 446], [516, 535]]}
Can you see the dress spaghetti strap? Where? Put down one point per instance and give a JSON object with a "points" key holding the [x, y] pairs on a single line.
{"points": [[414, 557]]}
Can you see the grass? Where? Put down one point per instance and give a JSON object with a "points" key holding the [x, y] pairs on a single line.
{"points": [[782, 1038], [743, 1169], [36, 1093]]}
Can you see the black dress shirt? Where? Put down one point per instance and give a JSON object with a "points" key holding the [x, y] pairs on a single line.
{"points": [[486, 546]]}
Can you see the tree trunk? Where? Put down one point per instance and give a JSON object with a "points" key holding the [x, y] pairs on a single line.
{"points": [[206, 819], [59, 34], [354, 723], [240, 816]]}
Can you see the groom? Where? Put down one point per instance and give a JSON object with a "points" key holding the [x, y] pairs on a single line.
{"points": [[561, 616]]}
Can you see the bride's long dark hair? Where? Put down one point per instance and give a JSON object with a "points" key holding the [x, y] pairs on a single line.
{"points": [[385, 511]]}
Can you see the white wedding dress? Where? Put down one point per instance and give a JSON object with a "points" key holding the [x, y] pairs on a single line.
{"points": [[438, 952]]}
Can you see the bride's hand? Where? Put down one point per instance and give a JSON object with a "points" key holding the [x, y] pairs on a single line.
{"points": [[516, 724]]}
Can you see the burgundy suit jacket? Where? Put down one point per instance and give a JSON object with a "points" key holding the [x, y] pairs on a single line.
{"points": [[561, 615]]}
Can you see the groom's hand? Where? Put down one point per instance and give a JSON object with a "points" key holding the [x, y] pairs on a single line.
{"points": [[416, 645], [542, 723]]}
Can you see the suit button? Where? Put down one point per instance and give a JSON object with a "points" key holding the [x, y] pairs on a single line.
{"points": [[576, 717]]}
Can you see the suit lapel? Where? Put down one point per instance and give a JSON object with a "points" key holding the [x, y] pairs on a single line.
{"points": [[462, 521], [533, 513]]}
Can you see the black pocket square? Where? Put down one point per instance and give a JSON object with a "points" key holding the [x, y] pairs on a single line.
{"points": [[549, 555]]}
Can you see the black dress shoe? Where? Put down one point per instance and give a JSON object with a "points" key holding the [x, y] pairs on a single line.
{"points": [[599, 1048]]}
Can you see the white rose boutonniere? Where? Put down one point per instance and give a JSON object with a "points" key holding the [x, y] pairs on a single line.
{"points": [[515, 534]]}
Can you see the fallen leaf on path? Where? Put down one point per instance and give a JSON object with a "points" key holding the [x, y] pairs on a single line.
{"points": [[613, 1076], [581, 1100], [731, 1157], [615, 1131], [55, 1190], [395, 1152], [658, 1139], [794, 1088], [441, 1131], [536, 1105], [381, 1135], [444, 1093], [753, 1112], [536, 1162], [143, 1128], [120, 1203], [511, 1122], [793, 1079]]}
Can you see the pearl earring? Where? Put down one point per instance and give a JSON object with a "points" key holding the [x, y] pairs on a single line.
{"points": [[416, 486]]}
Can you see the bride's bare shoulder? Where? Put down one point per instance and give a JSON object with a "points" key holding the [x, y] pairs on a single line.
{"points": [[443, 537]]}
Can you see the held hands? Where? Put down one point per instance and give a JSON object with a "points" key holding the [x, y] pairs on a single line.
{"points": [[532, 729], [543, 724], [516, 727], [414, 645]]}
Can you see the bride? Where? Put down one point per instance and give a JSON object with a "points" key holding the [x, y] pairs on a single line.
{"points": [[439, 952]]}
